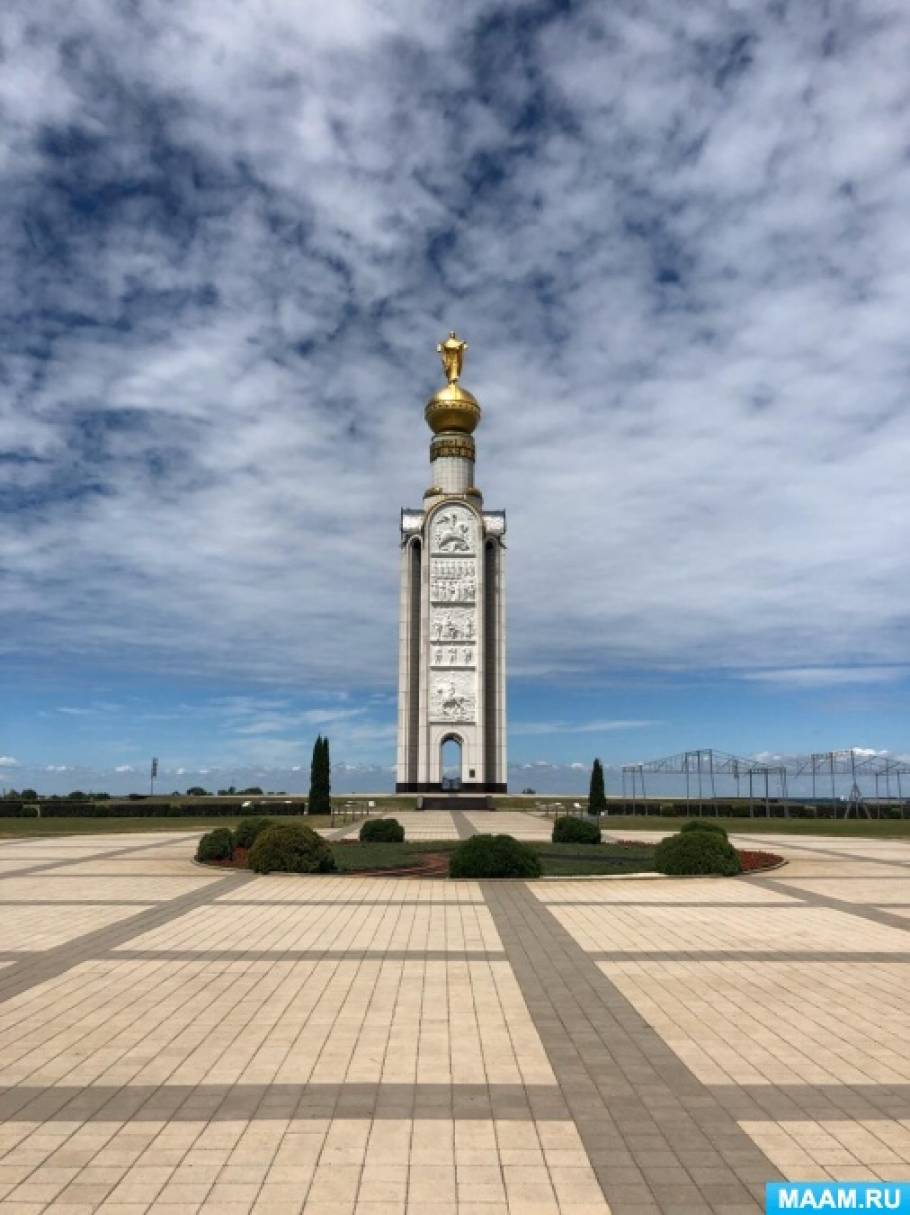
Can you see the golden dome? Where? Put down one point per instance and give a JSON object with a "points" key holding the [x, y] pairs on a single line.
{"points": [[452, 408]]}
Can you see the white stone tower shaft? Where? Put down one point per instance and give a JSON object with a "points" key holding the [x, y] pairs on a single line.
{"points": [[452, 661]]}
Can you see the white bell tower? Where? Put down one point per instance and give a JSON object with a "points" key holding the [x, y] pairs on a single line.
{"points": [[451, 668]]}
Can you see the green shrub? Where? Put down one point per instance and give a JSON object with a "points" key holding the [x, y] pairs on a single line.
{"points": [[290, 848], [668, 810], [492, 856], [247, 830], [568, 830], [217, 845], [703, 824], [694, 852], [382, 831]]}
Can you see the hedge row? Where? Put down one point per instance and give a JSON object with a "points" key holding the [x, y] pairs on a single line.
{"points": [[64, 809]]}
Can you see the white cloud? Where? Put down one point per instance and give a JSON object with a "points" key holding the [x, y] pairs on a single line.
{"points": [[125, 768], [584, 727], [677, 242], [7, 761], [823, 677]]}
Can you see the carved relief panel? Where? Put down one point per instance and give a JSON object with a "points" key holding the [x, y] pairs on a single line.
{"points": [[454, 531], [454, 540], [452, 697]]}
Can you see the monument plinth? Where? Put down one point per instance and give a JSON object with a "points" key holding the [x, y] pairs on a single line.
{"points": [[451, 670]]}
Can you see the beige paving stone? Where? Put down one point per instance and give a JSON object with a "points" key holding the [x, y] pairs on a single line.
{"points": [[707, 891], [277, 929], [374, 891], [152, 1021], [743, 929], [777, 1023], [808, 1150]]}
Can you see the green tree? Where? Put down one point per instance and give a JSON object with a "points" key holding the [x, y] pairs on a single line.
{"points": [[597, 801], [320, 778], [29, 795], [327, 775]]}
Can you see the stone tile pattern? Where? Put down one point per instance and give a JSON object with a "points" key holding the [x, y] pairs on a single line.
{"points": [[173, 1039]]}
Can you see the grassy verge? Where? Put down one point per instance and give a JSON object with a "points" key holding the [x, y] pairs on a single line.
{"points": [[870, 828], [18, 828], [355, 858], [557, 859]]}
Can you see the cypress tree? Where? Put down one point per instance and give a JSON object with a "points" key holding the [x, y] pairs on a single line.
{"points": [[314, 805], [597, 801], [327, 775]]}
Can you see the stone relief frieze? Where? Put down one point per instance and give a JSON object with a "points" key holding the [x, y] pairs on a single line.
{"points": [[452, 656], [454, 590], [453, 569], [454, 530], [452, 624], [452, 696]]}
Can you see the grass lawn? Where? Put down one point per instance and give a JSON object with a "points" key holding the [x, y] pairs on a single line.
{"points": [[873, 828], [557, 859], [18, 828]]}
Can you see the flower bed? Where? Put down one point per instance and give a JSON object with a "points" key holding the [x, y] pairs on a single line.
{"points": [[754, 862]]}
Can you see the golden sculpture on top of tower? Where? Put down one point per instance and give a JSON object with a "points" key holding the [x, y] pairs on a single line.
{"points": [[451, 351]]}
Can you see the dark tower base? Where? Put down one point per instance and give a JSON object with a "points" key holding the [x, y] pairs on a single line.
{"points": [[466, 790]]}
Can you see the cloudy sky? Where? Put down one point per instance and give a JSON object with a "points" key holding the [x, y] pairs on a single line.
{"points": [[677, 238]]}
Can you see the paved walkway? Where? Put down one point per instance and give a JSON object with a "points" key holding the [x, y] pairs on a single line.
{"points": [[174, 1040]]}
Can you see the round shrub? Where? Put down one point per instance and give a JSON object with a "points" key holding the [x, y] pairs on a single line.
{"points": [[290, 848], [248, 829], [704, 824], [494, 856], [217, 845], [568, 830], [694, 852], [381, 831]]}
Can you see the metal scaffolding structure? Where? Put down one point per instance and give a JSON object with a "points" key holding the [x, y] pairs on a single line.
{"points": [[883, 771], [763, 783], [831, 764], [701, 769]]}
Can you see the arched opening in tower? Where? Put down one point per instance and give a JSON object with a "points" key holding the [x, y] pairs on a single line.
{"points": [[450, 761]]}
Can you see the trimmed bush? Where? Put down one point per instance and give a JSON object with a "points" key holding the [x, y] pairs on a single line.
{"points": [[494, 856], [248, 829], [704, 824], [568, 830], [217, 845], [290, 848], [381, 831], [695, 852]]}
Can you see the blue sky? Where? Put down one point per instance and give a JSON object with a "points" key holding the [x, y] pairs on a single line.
{"points": [[677, 240]]}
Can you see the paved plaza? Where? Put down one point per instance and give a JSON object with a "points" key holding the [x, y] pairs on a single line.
{"points": [[177, 1040]]}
